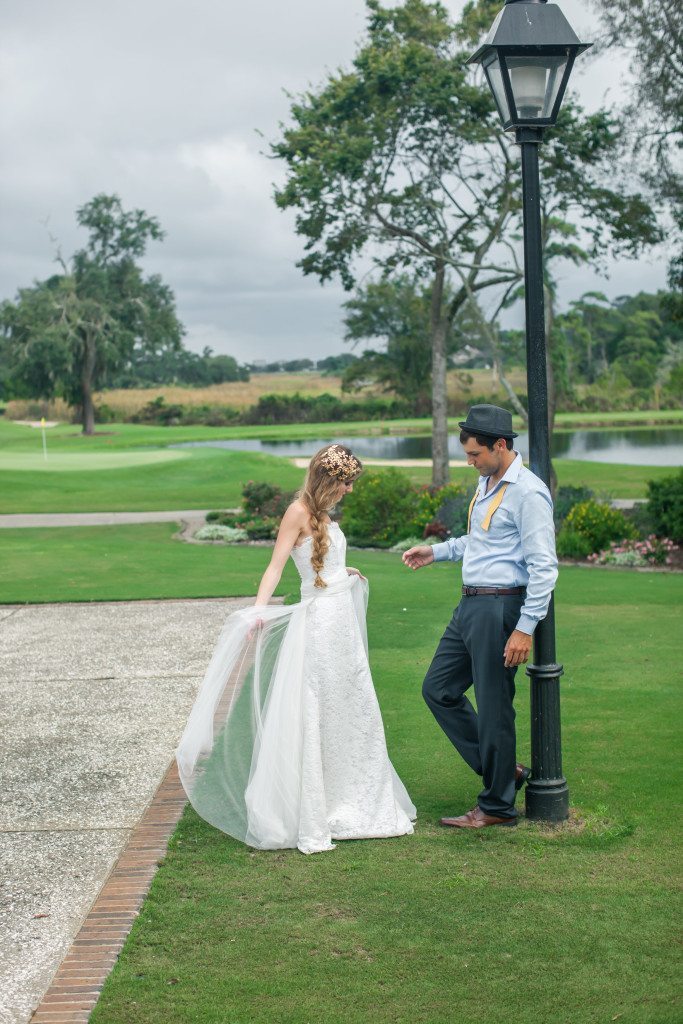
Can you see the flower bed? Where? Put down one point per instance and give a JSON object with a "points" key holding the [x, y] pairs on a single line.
{"points": [[638, 553]]}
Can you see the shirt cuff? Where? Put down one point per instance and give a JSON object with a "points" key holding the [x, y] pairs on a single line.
{"points": [[526, 624], [441, 551]]}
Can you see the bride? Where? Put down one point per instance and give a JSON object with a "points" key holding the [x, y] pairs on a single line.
{"points": [[285, 745]]}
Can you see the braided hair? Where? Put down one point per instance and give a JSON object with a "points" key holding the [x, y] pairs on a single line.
{"points": [[332, 465]]}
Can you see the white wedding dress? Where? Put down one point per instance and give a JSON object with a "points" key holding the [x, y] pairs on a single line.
{"points": [[285, 744]]}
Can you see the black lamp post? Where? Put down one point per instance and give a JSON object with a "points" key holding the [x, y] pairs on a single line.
{"points": [[527, 58]]}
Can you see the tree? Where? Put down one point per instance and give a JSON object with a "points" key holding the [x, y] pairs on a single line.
{"points": [[395, 160], [65, 334], [652, 34], [588, 207], [333, 365], [633, 339], [402, 160], [395, 311]]}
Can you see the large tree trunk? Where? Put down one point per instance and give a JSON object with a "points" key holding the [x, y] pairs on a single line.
{"points": [[439, 330], [87, 376]]}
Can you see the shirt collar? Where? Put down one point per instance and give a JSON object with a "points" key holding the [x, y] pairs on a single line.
{"points": [[512, 472], [510, 475]]}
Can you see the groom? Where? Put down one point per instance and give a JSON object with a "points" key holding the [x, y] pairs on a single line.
{"points": [[509, 571]]}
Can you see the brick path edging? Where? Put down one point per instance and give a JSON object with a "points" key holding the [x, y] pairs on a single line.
{"points": [[76, 986]]}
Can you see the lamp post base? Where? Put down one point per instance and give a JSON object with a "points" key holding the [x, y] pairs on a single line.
{"points": [[547, 793], [547, 800]]}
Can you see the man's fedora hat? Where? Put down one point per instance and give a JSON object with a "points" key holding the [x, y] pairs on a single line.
{"points": [[489, 420]]}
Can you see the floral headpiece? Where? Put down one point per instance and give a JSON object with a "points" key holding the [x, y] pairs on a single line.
{"points": [[340, 464]]}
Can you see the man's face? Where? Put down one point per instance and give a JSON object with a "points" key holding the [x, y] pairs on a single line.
{"points": [[481, 458]]}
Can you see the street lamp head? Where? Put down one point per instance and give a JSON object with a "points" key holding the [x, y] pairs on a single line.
{"points": [[527, 58]]}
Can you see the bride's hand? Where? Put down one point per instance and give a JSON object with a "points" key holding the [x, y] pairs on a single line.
{"points": [[256, 624], [354, 572]]}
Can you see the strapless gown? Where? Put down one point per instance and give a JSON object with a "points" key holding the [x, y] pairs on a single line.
{"points": [[285, 744]]}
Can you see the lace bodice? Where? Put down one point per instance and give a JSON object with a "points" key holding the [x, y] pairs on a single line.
{"points": [[334, 567]]}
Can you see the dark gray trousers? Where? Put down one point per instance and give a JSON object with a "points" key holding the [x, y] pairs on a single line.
{"points": [[471, 652]]}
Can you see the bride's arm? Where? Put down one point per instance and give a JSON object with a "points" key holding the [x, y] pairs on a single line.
{"points": [[290, 528]]}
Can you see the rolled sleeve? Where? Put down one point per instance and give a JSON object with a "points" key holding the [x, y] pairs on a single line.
{"points": [[451, 550], [537, 537]]}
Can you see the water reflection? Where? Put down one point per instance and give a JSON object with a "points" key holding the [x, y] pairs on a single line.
{"points": [[660, 446]]}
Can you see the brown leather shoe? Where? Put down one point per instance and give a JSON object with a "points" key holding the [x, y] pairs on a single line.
{"points": [[476, 819], [522, 775]]}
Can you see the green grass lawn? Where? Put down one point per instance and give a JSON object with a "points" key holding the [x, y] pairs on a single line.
{"points": [[208, 478], [123, 563], [200, 478], [129, 471], [525, 926]]}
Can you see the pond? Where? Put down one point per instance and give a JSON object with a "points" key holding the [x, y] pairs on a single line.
{"points": [[651, 446]]}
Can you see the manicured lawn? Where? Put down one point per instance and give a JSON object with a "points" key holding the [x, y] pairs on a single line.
{"points": [[527, 926], [608, 480], [203, 478], [123, 563], [132, 470], [214, 479]]}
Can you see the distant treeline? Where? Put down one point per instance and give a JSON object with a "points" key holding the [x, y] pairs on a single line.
{"points": [[331, 365], [269, 409], [184, 368], [176, 366]]}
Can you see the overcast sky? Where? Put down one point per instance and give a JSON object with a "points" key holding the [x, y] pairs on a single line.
{"points": [[160, 101]]}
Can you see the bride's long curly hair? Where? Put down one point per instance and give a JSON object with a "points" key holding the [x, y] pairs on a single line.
{"points": [[332, 465]]}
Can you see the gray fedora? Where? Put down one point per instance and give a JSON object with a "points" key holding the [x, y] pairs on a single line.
{"points": [[489, 420]]}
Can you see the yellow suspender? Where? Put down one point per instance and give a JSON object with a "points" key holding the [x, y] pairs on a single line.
{"points": [[469, 511], [492, 508]]}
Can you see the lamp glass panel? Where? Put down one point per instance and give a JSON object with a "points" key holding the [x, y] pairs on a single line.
{"points": [[536, 82], [494, 77], [557, 70]]}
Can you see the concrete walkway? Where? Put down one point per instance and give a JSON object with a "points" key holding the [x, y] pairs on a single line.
{"points": [[193, 518], [22, 519], [93, 698]]}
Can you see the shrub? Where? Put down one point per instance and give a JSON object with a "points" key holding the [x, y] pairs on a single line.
{"points": [[210, 415], [436, 531], [641, 519], [105, 414], [159, 412], [412, 542], [442, 504], [665, 505], [214, 531], [566, 498], [323, 408], [572, 544], [381, 509], [600, 524], [261, 499], [454, 508], [651, 551], [261, 527]]}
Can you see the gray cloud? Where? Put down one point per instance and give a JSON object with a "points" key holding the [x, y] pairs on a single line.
{"points": [[161, 103]]}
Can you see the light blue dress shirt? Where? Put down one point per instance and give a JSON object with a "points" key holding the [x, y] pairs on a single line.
{"points": [[518, 549]]}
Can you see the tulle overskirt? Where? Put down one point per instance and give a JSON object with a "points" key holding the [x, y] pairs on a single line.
{"points": [[240, 756]]}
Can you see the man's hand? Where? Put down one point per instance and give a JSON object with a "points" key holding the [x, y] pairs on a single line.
{"points": [[416, 558], [517, 649]]}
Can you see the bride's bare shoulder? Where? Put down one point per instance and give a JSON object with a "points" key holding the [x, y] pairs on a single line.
{"points": [[296, 513]]}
